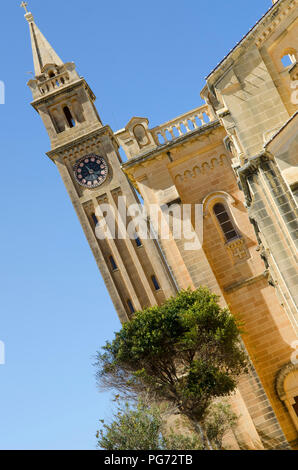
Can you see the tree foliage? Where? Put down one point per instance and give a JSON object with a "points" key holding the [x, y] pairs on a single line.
{"points": [[145, 426], [186, 352], [142, 427], [218, 420]]}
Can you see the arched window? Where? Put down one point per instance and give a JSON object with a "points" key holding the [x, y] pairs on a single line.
{"points": [[225, 222], [69, 118], [58, 121], [294, 189], [138, 242], [295, 406], [130, 306], [289, 58], [94, 218], [155, 283], [113, 264], [140, 134]]}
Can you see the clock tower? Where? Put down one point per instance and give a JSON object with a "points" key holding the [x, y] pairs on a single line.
{"points": [[86, 154]]}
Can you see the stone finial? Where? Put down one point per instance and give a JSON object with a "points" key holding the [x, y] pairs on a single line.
{"points": [[29, 17]]}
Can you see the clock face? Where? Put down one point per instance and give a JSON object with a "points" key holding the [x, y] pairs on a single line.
{"points": [[91, 171]]}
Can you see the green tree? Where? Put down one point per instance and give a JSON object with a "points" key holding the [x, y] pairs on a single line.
{"points": [[142, 427], [217, 421], [186, 352]]}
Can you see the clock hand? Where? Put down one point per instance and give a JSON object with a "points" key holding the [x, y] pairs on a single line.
{"points": [[91, 172]]}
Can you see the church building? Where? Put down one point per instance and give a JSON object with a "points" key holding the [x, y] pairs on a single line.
{"points": [[236, 159]]}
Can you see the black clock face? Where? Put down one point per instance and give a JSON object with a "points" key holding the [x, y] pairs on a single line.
{"points": [[91, 171]]}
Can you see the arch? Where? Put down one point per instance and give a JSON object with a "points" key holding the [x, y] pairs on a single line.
{"points": [[205, 166], [141, 135], [190, 125], [67, 113], [217, 196], [161, 138], [77, 111], [288, 56], [178, 178], [196, 171], [175, 131], [223, 159], [206, 118], [287, 389], [187, 174], [168, 135], [214, 162], [217, 204], [289, 51], [59, 122], [284, 372]]}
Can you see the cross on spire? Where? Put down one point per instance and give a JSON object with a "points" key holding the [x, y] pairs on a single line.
{"points": [[24, 5], [43, 53]]}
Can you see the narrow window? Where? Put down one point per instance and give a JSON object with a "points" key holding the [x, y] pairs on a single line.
{"points": [[296, 406], [294, 189], [130, 306], [287, 60], [69, 118], [113, 263], [225, 222], [155, 283], [138, 242], [94, 218]]}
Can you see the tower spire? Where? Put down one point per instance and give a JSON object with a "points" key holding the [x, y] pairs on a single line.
{"points": [[43, 52]]}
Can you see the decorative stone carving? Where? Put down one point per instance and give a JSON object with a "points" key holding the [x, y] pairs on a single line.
{"points": [[281, 377], [202, 168], [287, 388], [237, 249]]}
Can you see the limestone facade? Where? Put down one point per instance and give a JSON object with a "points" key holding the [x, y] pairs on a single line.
{"points": [[235, 157]]}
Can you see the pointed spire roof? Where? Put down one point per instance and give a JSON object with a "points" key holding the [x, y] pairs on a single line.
{"points": [[43, 53]]}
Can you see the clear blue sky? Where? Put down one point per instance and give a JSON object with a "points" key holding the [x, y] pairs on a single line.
{"points": [[141, 59]]}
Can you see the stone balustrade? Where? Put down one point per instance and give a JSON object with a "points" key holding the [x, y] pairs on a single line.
{"points": [[182, 125], [53, 83]]}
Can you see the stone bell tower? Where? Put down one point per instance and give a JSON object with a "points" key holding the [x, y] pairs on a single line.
{"points": [[87, 157]]}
